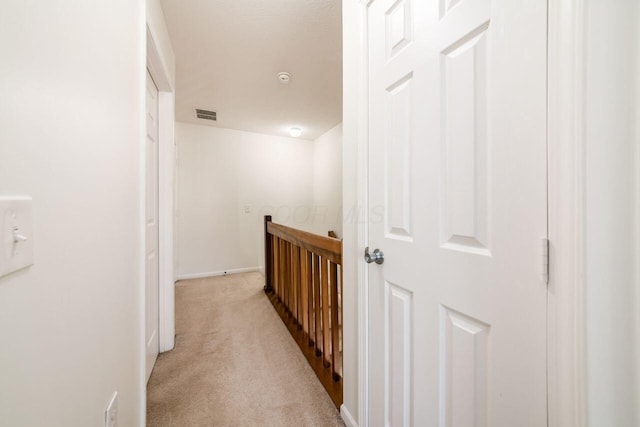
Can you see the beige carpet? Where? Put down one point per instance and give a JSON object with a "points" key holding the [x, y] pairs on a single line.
{"points": [[234, 363]]}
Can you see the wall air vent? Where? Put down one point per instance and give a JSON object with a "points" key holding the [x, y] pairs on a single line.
{"points": [[206, 114]]}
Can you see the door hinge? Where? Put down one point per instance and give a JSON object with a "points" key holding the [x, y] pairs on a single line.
{"points": [[544, 267]]}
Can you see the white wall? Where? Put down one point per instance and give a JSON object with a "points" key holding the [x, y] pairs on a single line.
{"points": [[220, 171], [327, 182], [71, 128], [611, 216]]}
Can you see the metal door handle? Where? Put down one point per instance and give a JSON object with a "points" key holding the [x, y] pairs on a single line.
{"points": [[377, 256]]}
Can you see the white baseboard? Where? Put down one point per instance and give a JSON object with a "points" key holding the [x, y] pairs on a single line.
{"points": [[216, 273], [346, 417]]}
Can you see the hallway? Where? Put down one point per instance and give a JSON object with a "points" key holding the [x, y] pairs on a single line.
{"points": [[234, 363]]}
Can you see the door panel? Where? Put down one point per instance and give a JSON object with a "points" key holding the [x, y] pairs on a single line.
{"points": [[398, 155], [398, 336], [463, 369], [457, 203], [464, 105]]}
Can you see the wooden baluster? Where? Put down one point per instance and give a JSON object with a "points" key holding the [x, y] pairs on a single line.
{"points": [[316, 304], [283, 273], [268, 256], [309, 262], [326, 345], [276, 267], [295, 272], [276, 261], [335, 327], [290, 273], [300, 291], [304, 292], [341, 319], [290, 281], [276, 242], [283, 263], [287, 257], [274, 264]]}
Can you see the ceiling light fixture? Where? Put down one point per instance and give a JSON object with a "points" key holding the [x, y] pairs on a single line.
{"points": [[295, 132], [284, 77]]}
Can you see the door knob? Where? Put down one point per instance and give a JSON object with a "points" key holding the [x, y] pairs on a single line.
{"points": [[377, 256]]}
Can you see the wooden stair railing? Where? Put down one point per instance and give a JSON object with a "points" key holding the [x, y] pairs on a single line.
{"points": [[303, 279]]}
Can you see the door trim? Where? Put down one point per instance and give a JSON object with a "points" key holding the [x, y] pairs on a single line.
{"points": [[166, 171], [363, 204], [566, 379], [566, 176]]}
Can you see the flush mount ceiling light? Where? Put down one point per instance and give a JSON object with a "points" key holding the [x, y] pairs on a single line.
{"points": [[295, 132], [284, 77]]}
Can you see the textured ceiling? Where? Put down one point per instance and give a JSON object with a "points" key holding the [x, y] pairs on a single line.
{"points": [[229, 52]]}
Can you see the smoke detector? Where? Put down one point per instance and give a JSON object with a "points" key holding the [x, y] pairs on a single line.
{"points": [[284, 77]]}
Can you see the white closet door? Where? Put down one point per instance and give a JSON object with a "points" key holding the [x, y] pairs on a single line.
{"points": [[457, 197]]}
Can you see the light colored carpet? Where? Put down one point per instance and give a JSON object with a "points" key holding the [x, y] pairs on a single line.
{"points": [[234, 363]]}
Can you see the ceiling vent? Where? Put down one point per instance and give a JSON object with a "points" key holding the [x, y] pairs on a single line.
{"points": [[206, 114]]}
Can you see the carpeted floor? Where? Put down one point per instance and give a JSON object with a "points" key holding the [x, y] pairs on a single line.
{"points": [[234, 363]]}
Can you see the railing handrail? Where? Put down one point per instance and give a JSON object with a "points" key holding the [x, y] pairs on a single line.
{"points": [[327, 247]]}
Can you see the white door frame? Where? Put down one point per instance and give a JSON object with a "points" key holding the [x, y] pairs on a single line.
{"points": [[566, 68], [166, 172], [567, 210]]}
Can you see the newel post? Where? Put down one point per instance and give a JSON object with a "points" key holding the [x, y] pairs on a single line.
{"points": [[268, 256]]}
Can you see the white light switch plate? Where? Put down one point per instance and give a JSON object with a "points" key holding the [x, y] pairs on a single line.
{"points": [[16, 234]]}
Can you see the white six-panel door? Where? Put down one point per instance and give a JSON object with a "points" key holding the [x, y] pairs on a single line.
{"points": [[151, 224], [457, 202]]}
